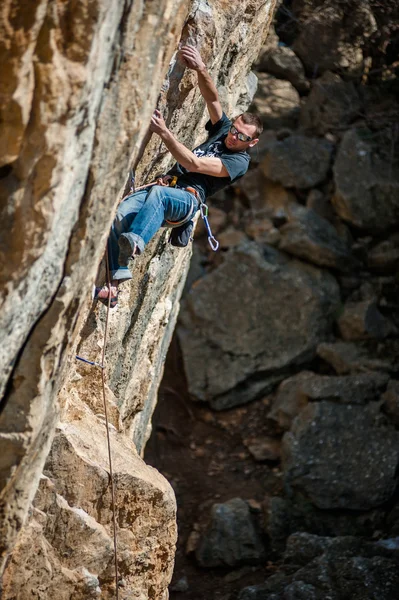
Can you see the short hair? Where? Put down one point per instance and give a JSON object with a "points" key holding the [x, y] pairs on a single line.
{"points": [[251, 119]]}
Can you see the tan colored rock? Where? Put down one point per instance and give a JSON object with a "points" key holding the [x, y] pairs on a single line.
{"points": [[72, 522], [276, 102], [363, 320], [231, 237]]}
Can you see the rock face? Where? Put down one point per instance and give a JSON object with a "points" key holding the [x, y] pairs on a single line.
{"points": [[260, 291], [72, 124]]}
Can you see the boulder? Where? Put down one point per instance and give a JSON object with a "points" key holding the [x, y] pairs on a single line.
{"points": [[317, 568], [67, 548], [294, 393], [276, 102], [390, 401], [341, 456], [251, 318], [331, 105], [367, 185], [311, 237], [384, 256], [332, 38], [232, 538], [347, 357], [283, 517], [363, 320], [264, 448], [282, 62], [298, 161]]}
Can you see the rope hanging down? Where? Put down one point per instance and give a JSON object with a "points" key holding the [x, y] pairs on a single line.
{"points": [[111, 475]]}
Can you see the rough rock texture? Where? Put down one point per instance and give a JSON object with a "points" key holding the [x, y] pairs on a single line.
{"points": [[341, 456], [77, 92], [331, 34], [332, 104], [70, 521], [318, 568], [294, 393], [347, 357], [283, 63], [277, 102], [298, 161], [363, 320], [311, 237], [367, 184], [232, 538], [264, 291], [284, 516]]}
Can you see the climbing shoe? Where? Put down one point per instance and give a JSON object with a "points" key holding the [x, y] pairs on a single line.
{"points": [[102, 293], [127, 249]]}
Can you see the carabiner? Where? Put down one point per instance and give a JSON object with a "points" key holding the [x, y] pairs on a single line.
{"points": [[214, 244], [204, 210]]}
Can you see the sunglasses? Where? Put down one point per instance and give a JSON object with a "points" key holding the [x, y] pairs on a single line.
{"points": [[241, 136]]}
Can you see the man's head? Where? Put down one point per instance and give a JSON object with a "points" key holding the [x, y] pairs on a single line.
{"points": [[246, 126]]}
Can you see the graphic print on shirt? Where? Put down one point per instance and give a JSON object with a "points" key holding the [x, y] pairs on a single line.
{"points": [[213, 150]]}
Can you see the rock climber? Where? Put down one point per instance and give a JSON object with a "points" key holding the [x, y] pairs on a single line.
{"points": [[197, 174]]}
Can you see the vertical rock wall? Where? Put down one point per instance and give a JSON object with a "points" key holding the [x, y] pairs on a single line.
{"points": [[78, 87]]}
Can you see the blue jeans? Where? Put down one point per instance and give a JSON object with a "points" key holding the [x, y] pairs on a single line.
{"points": [[141, 215]]}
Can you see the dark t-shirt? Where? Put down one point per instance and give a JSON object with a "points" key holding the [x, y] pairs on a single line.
{"points": [[236, 163]]}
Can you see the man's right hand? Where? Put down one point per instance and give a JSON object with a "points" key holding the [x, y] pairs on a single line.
{"points": [[191, 58]]}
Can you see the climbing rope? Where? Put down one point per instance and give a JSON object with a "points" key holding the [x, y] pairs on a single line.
{"points": [[111, 475], [108, 436]]}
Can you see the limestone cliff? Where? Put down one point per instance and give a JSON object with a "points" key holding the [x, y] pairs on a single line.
{"points": [[79, 83]]}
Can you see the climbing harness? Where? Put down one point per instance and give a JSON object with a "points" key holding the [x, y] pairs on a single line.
{"points": [[111, 475], [204, 209]]}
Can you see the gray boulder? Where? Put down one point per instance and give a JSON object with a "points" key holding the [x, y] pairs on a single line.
{"points": [[309, 236], [348, 357], [367, 185], [384, 256], [283, 517], [251, 318], [295, 392], [318, 568], [276, 102], [341, 456], [331, 105], [283, 63], [363, 320], [390, 401], [332, 38], [232, 538], [298, 161]]}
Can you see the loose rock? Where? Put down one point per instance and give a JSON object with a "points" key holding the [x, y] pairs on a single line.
{"points": [[232, 538], [276, 102]]}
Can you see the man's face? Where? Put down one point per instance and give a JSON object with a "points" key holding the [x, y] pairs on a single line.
{"points": [[233, 143]]}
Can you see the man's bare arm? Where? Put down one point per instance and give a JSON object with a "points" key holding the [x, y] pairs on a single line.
{"points": [[192, 59], [184, 156]]}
